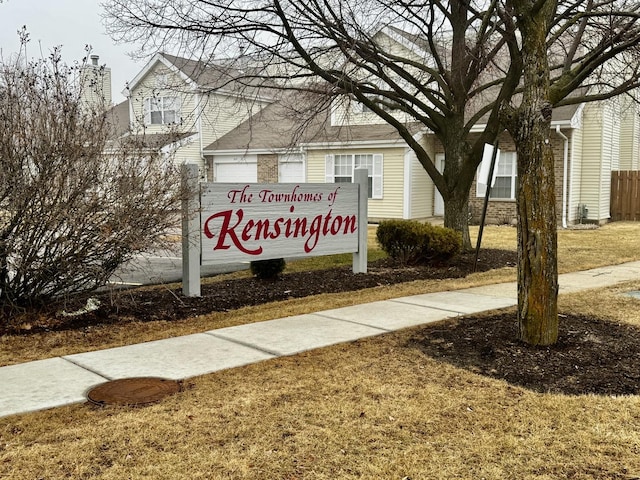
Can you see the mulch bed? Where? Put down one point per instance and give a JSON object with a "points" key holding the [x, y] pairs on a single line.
{"points": [[146, 304], [592, 356]]}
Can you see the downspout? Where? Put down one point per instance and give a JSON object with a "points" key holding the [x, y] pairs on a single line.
{"points": [[205, 167], [565, 180], [303, 152]]}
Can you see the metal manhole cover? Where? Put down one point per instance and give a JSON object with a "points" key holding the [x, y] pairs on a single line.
{"points": [[133, 391]]}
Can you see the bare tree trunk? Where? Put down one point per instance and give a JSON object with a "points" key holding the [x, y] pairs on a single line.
{"points": [[537, 236], [458, 177], [456, 216], [536, 204]]}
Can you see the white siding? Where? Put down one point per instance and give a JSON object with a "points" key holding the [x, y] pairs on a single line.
{"points": [[575, 174], [629, 137], [600, 152]]}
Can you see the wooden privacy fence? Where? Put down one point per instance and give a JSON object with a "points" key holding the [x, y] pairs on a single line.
{"points": [[625, 195]]}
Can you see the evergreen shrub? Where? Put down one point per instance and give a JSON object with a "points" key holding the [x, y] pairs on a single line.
{"points": [[267, 269], [412, 242]]}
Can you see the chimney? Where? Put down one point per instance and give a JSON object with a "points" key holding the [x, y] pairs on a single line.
{"points": [[96, 83]]}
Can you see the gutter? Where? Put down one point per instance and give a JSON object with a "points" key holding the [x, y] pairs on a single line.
{"points": [[565, 180]]}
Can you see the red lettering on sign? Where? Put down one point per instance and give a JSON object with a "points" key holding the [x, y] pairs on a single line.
{"points": [[225, 230], [239, 234]]}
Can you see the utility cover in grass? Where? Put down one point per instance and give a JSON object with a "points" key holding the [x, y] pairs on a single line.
{"points": [[133, 391]]}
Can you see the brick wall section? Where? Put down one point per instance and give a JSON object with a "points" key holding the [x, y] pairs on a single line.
{"points": [[504, 211], [268, 168]]}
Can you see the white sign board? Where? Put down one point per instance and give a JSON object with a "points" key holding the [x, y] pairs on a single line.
{"points": [[228, 222], [243, 222]]}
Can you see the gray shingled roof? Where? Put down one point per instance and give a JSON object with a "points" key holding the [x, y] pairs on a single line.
{"points": [[288, 123], [222, 75], [119, 118], [292, 121]]}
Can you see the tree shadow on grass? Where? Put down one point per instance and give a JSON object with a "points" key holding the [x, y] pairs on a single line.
{"points": [[592, 356]]}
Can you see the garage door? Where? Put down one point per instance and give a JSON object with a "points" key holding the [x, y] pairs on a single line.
{"points": [[236, 169], [291, 169]]}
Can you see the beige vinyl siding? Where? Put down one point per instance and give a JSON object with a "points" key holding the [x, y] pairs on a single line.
{"points": [[629, 138], [189, 152], [192, 108], [222, 113], [96, 86], [575, 176], [174, 86], [349, 112], [422, 187], [208, 116], [422, 191], [391, 204], [346, 111], [600, 148]]}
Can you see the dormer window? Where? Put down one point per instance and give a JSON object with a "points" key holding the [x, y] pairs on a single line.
{"points": [[357, 107], [162, 110]]}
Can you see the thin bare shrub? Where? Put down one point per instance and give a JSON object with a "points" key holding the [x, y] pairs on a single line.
{"points": [[76, 201]]}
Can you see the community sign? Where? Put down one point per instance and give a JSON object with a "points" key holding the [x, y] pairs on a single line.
{"points": [[243, 222]]}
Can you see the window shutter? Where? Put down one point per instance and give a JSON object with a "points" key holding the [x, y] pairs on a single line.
{"points": [[147, 111], [481, 188], [178, 109], [328, 169], [483, 170], [377, 176]]}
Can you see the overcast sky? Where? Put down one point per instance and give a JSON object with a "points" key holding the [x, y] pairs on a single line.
{"points": [[71, 24]]}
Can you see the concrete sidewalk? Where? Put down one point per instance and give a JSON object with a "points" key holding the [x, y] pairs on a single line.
{"points": [[65, 380]]}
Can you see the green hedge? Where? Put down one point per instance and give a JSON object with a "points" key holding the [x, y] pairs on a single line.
{"points": [[413, 242]]}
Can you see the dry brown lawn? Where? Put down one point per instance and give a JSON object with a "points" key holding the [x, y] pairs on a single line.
{"points": [[371, 409]]}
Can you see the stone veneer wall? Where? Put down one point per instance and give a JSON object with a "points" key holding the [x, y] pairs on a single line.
{"points": [[268, 168], [504, 211]]}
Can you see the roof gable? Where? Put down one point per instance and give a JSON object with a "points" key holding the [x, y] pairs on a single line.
{"points": [[224, 77], [162, 59]]}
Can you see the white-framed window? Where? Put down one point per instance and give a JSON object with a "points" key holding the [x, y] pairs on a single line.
{"points": [[162, 110], [357, 107], [340, 168], [506, 178]]}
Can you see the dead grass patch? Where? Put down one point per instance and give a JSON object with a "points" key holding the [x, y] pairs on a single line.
{"points": [[369, 409]]}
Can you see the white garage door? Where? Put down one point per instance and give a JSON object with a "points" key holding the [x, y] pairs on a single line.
{"points": [[236, 169], [291, 169]]}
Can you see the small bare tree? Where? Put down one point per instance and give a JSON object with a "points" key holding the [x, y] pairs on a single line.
{"points": [[75, 201]]}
